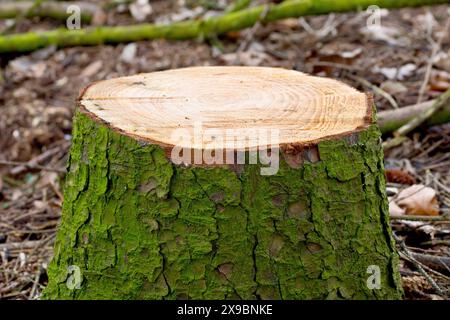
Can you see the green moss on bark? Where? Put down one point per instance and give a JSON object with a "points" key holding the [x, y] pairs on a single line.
{"points": [[139, 227]]}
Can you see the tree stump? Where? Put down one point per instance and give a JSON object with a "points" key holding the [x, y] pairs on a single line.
{"points": [[150, 212]]}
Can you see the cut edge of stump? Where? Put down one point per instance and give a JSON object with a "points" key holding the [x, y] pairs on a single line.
{"points": [[292, 148]]}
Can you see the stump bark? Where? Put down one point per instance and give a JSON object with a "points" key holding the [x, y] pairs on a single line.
{"points": [[138, 225]]}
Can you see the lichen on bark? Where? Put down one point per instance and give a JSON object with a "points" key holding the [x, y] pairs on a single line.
{"points": [[139, 227]]}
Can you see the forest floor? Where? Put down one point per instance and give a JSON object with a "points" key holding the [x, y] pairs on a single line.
{"points": [[410, 51]]}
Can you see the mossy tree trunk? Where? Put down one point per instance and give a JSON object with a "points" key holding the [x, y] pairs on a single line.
{"points": [[136, 225], [139, 227]]}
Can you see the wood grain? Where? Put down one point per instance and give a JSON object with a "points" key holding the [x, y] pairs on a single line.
{"points": [[305, 109]]}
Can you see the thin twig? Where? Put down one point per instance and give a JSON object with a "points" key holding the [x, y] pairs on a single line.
{"points": [[30, 231], [436, 243], [376, 89], [250, 35], [35, 283], [433, 147], [418, 265], [31, 166], [438, 262], [21, 245], [329, 26], [418, 218], [434, 51], [336, 65], [394, 142], [40, 158], [436, 165]]}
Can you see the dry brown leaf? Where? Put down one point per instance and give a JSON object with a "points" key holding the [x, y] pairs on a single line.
{"points": [[418, 200], [233, 35], [439, 80], [399, 176], [394, 209], [291, 23]]}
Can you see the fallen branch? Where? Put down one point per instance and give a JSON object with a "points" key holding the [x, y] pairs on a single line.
{"points": [[424, 116], [419, 218], [391, 120], [435, 262], [47, 9], [21, 16], [239, 5], [418, 119], [194, 28]]}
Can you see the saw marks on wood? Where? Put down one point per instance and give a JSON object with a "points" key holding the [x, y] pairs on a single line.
{"points": [[302, 108]]}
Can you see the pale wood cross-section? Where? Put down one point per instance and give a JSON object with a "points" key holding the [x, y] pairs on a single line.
{"points": [[305, 109]]}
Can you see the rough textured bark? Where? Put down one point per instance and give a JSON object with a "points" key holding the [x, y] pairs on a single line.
{"points": [[139, 227]]}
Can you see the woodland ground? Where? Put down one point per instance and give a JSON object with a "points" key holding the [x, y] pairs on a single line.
{"points": [[38, 93]]}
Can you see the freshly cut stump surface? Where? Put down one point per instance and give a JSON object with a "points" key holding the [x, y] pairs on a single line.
{"points": [[224, 183], [304, 108]]}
